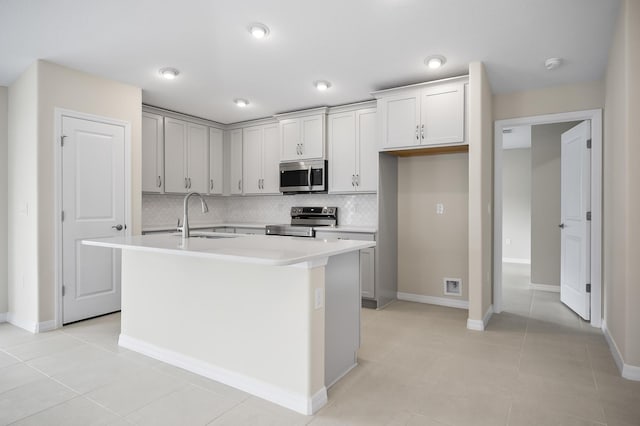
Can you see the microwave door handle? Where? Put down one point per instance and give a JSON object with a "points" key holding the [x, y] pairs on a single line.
{"points": [[309, 178]]}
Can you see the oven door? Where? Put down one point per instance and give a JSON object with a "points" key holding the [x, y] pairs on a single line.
{"points": [[304, 176]]}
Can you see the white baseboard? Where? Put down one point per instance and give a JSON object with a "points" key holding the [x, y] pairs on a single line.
{"points": [[516, 260], [630, 372], [32, 326], [41, 327], [480, 325], [545, 287], [4, 317], [433, 300], [293, 401]]}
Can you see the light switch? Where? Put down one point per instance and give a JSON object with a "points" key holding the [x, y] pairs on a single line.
{"points": [[319, 296], [439, 208], [507, 241]]}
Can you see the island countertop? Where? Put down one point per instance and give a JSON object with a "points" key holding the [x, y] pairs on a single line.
{"points": [[256, 249]]}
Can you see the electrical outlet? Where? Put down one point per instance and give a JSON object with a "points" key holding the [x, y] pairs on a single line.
{"points": [[319, 296], [507, 241], [439, 208]]}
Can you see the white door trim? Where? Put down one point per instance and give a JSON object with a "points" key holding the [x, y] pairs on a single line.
{"points": [[595, 115], [59, 113]]}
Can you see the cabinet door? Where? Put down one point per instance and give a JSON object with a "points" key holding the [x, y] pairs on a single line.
{"points": [[442, 114], [175, 153], [368, 272], [215, 161], [271, 160], [197, 158], [235, 174], [400, 115], [313, 135], [290, 139], [367, 151], [342, 152], [252, 159], [152, 153]]}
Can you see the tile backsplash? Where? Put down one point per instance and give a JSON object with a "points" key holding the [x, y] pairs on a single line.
{"points": [[164, 210]]}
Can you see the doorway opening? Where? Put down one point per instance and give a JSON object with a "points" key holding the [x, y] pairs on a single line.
{"points": [[529, 245]]}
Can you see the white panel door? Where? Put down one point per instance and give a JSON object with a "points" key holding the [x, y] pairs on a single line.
{"points": [[575, 241], [290, 139], [216, 173], [400, 119], [235, 174], [252, 160], [442, 114], [175, 154], [367, 166], [342, 152], [152, 153], [197, 158], [271, 160], [312, 129], [93, 201]]}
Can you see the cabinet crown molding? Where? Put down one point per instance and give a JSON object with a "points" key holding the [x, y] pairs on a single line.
{"points": [[382, 93], [302, 113]]}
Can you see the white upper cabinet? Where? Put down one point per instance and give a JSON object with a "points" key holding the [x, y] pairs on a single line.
{"points": [[186, 147], [422, 115], [216, 161], [152, 153], [261, 159], [303, 137], [235, 163], [353, 151]]}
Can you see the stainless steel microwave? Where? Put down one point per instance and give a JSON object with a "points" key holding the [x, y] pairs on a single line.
{"points": [[303, 176]]}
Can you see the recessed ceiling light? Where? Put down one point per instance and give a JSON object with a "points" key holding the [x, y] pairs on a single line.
{"points": [[259, 30], [435, 61], [169, 73], [322, 85], [552, 63], [241, 102]]}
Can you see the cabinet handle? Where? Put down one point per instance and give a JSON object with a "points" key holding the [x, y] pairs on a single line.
{"points": [[185, 183], [240, 185], [211, 185], [422, 131], [417, 137], [357, 180], [353, 180], [261, 183], [189, 183], [159, 180], [301, 148]]}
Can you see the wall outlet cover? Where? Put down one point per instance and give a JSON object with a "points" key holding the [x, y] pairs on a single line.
{"points": [[452, 286]]}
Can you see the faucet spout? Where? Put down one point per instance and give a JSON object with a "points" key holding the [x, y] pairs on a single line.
{"points": [[185, 219]]}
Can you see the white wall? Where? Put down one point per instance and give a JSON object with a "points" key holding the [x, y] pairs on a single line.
{"points": [[4, 290], [516, 204]]}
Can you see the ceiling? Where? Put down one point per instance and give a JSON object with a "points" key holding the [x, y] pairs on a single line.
{"points": [[358, 45]]}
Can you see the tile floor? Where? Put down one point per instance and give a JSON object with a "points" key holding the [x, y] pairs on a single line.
{"points": [[537, 364]]}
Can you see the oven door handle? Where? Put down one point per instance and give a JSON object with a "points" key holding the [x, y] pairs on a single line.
{"points": [[309, 178]]}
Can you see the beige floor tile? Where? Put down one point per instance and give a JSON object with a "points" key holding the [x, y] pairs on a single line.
{"points": [[356, 411], [6, 359], [75, 412], [77, 357], [256, 412], [412, 419], [14, 376], [31, 398], [532, 414], [129, 393], [188, 406], [11, 335], [38, 348]]}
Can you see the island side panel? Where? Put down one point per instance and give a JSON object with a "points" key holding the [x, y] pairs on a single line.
{"points": [[253, 327]]}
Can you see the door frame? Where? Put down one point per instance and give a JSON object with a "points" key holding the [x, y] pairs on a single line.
{"points": [[595, 115], [59, 114]]}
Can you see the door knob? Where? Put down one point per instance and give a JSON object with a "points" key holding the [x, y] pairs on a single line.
{"points": [[117, 227], [561, 226]]}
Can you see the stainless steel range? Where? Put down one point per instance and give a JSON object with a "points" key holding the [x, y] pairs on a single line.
{"points": [[304, 220]]}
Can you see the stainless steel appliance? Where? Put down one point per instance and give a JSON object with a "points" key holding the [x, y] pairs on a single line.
{"points": [[304, 220], [303, 176]]}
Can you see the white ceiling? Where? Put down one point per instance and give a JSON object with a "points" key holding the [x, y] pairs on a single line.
{"points": [[358, 45]]}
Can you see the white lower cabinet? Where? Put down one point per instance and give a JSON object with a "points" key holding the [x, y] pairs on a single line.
{"points": [[367, 259]]}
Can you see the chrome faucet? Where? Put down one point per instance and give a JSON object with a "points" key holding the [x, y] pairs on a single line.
{"points": [[185, 219]]}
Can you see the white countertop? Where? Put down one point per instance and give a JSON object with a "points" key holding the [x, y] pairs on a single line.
{"points": [[339, 228], [258, 249]]}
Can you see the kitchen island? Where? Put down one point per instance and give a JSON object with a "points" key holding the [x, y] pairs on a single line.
{"points": [[277, 317]]}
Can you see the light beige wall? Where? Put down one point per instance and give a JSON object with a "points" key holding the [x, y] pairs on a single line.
{"points": [[4, 95], [621, 248], [22, 199], [545, 202], [431, 246], [574, 97], [61, 87], [480, 192], [516, 203]]}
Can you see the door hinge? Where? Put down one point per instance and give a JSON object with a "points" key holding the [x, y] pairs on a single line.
{"points": [[588, 215], [62, 140], [62, 216], [589, 143], [588, 288], [64, 291]]}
